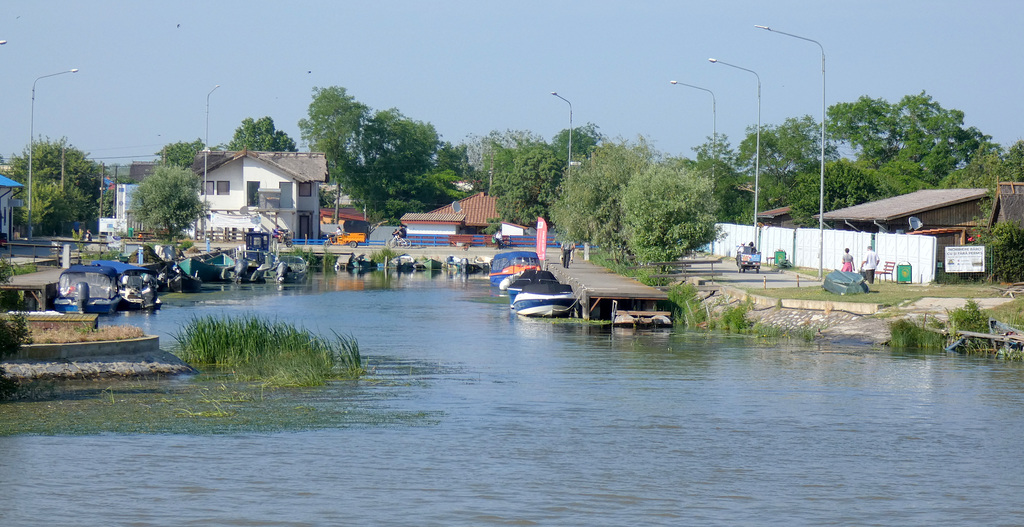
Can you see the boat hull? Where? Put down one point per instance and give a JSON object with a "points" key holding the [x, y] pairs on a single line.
{"points": [[533, 305]]}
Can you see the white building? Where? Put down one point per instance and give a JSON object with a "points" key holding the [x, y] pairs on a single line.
{"points": [[7, 203], [262, 190]]}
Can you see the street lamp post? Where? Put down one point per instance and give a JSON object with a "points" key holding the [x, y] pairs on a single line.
{"points": [[569, 169], [821, 184], [757, 155], [714, 122], [32, 140], [206, 159]]}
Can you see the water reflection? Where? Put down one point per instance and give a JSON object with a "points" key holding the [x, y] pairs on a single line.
{"points": [[531, 422]]}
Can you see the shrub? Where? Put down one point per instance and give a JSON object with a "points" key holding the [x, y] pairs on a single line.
{"points": [[967, 318], [907, 334], [734, 319], [686, 305]]}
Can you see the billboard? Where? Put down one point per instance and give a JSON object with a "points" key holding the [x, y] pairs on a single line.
{"points": [[965, 259]]}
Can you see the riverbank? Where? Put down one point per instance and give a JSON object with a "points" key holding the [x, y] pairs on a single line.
{"points": [[151, 363]]}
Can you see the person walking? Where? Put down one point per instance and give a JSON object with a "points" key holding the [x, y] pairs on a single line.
{"points": [[869, 265], [567, 249], [847, 262]]}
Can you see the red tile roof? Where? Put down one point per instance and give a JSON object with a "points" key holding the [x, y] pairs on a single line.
{"points": [[478, 208]]}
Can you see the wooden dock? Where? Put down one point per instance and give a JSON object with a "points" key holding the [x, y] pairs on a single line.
{"points": [[40, 288], [600, 291]]}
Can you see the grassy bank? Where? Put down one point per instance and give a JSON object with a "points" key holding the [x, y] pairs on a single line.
{"points": [[272, 352]]}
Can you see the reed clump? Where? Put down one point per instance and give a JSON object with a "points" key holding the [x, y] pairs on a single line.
{"points": [[256, 349]]}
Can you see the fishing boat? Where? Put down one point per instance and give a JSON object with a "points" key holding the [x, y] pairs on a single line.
{"points": [[402, 262], [137, 286], [430, 264], [289, 269], [544, 299], [531, 276], [87, 289], [463, 265], [173, 278], [207, 270], [512, 263]]}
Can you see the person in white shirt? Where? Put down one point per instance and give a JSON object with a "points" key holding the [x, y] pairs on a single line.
{"points": [[869, 265]]}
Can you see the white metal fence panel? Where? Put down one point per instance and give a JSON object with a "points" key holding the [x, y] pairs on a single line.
{"points": [[918, 251], [802, 247]]}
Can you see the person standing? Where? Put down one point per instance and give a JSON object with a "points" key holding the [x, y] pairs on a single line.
{"points": [[567, 249], [869, 265], [847, 262]]}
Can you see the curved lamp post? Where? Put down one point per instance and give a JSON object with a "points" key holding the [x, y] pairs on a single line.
{"points": [[714, 121], [757, 155], [821, 184], [569, 169], [32, 140], [206, 159]]}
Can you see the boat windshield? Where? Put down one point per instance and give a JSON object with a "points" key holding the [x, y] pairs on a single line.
{"points": [[100, 286]]}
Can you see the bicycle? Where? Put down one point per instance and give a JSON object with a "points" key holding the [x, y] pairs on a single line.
{"points": [[398, 242]]}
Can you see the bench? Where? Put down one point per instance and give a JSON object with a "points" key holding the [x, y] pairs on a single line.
{"points": [[460, 240], [887, 270]]}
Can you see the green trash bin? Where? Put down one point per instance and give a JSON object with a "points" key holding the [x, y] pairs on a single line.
{"points": [[904, 274], [780, 258]]}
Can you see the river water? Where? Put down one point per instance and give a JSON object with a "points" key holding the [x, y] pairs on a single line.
{"points": [[525, 422]]}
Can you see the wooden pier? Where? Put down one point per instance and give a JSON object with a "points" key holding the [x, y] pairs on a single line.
{"points": [[602, 292], [40, 288]]}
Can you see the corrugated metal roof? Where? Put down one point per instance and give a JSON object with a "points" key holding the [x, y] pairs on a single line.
{"points": [[907, 204]]}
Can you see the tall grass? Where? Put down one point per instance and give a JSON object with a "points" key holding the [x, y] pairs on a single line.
{"points": [[274, 352], [383, 255], [907, 334]]}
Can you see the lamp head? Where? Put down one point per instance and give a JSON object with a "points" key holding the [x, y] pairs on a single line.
{"points": [[2, 42], [766, 28], [74, 70], [554, 93], [712, 60], [673, 82]]}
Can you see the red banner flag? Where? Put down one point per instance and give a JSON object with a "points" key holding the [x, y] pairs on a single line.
{"points": [[542, 239]]}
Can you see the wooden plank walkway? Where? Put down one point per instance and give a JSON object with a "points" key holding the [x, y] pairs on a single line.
{"points": [[40, 287], [597, 288]]}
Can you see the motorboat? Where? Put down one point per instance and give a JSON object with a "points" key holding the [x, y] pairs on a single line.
{"points": [[173, 278], [531, 276], [512, 263], [289, 269], [136, 285], [402, 262], [87, 289], [544, 299]]}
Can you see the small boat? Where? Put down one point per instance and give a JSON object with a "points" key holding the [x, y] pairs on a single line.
{"points": [[545, 299], [173, 278], [87, 289], [356, 263], [290, 269], [211, 269], [403, 262], [512, 263], [137, 286], [463, 265], [430, 264], [844, 283], [530, 276]]}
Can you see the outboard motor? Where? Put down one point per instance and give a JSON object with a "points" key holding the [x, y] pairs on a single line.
{"points": [[241, 266], [282, 271], [81, 295]]}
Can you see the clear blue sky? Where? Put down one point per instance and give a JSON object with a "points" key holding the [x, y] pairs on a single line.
{"points": [[469, 67]]}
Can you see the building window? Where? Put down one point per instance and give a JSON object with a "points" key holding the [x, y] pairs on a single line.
{"points": [[305, 190], [223, 188], [209, 187]]}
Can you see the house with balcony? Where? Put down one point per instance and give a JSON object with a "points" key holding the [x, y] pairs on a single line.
{"points": [[8, 203], [249, 190]]}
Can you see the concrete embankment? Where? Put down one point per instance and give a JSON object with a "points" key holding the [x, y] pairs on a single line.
{"points": [[120, 358]]}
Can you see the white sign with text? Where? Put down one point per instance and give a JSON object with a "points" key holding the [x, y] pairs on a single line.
{"points": [[965, 259]]}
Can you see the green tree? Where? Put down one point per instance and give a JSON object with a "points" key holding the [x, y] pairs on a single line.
{"points": [[526, 182], [589, 207], [846, 184], [261, 136], [181, 154], [734, 190], [917, 130], [65, 186], [334, 122], [455, 158], [787, 151], [168, 200], [669, 212], [396, 154], [584, 141]]}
